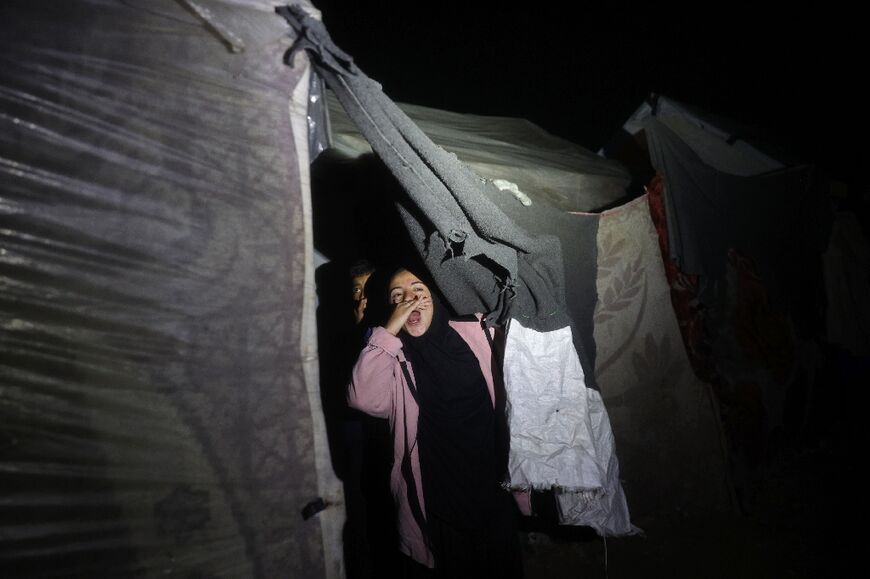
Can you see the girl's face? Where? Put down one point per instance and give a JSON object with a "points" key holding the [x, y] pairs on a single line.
{"points": [[404, 287]]}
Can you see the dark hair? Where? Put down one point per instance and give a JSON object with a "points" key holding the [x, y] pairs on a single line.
{"points": [[361, 267]]}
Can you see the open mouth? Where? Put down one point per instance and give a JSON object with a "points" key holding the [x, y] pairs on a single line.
{"points": [[414, 318]]}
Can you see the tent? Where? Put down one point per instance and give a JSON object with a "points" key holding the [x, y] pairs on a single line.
{"points": [[743, 227]]}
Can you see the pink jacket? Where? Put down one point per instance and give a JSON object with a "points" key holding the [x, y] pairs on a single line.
{"points": [[378, 388]]}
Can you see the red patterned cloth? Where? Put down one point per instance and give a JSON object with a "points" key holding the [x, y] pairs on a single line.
{"points": [[684, 289]]}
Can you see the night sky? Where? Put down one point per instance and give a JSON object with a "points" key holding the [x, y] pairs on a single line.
{"points": [[792, 75]]}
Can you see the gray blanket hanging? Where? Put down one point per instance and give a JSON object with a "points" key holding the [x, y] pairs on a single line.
{"points": [[479, 258]]}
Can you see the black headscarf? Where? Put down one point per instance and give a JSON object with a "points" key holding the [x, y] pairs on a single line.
{"points": [[456, 428]]}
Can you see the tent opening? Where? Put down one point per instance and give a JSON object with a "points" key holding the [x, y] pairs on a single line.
{"points": [[355, 218]]}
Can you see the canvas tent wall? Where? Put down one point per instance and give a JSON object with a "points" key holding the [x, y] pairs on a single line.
{"points": [[512, 150], [159, 411]]}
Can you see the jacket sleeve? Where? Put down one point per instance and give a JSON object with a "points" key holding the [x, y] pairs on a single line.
{"points": [[374, 379]]}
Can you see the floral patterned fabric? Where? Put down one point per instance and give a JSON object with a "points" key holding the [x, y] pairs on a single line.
{"points": [[663, 417]]}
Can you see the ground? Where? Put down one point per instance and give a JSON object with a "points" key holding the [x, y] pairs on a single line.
{"points": [[802, 525]]}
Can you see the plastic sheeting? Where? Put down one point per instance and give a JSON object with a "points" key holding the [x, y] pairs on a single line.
{"points": [[551, 433], [154, 414], [560, 432]]}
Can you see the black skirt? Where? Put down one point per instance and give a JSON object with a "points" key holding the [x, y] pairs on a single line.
{"points": [[492, 550]]}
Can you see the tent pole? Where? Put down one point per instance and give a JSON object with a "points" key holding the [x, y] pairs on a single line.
{"points": [[329, 486]]}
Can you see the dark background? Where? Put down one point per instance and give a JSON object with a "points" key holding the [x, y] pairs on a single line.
{"points": [[579, 72]]}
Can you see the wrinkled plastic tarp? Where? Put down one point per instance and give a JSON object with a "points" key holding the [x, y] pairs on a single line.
{"points": [[154, 416], [560, 432]]}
